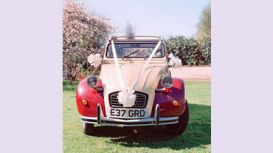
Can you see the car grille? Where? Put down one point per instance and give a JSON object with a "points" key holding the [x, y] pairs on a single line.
{"points": [[141, 100]]}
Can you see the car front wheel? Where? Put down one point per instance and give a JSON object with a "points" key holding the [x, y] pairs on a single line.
{"points": [[180, 127]]}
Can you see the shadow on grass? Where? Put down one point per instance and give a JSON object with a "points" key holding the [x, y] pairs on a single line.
{"points": [[197, 134]]}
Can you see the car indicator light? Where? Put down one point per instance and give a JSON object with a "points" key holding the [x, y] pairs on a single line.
{"points": [[175, 103], [84, 102]]}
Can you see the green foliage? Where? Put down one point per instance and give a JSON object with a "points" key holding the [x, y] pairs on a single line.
{"points": [[70, 85], [206, 50], [189, 50]]}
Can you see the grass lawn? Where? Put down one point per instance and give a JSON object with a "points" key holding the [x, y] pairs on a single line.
{"points": [[196, 139]]}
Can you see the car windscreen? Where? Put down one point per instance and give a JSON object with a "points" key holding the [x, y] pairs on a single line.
{"points": [[135, 50]]}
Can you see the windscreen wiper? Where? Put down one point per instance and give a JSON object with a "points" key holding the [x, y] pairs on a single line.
{"points": [[125, 56]]}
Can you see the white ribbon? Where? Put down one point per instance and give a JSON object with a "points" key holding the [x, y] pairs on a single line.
{"points": [[140, 71], [127, 97], [174, 61], [94, 60], [117, 66]]}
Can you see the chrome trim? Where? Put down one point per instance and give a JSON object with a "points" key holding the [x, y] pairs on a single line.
{"points": [[157, 114], [141, 100], [105, 121]]}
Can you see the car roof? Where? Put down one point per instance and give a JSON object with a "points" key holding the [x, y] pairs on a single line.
{"points": [[135, 38]]}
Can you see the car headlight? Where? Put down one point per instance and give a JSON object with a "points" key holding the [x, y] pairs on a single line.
{"points": [[167, 81], [92, 81]]}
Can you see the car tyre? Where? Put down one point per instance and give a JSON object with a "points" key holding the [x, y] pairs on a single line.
{"points": [[180, 127], [88, 129]]}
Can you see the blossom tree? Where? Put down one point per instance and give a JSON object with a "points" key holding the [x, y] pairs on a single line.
{"points": [[83, 34]]}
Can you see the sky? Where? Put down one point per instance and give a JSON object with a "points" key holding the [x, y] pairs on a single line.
{"points": [[151, 17]]}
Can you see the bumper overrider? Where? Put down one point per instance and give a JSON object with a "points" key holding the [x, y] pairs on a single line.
{"points": [[152, 121]]}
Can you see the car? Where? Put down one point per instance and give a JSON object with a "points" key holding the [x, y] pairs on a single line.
{"points": [[135, 87]]}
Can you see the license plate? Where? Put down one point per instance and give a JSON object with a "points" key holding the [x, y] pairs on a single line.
{"points": [[131, 113]]}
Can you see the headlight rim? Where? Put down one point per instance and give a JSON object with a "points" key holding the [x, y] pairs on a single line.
{"points": [[164, 78], [90, 79]]}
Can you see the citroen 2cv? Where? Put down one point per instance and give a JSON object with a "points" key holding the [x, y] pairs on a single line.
{"points": [[134, 88]]}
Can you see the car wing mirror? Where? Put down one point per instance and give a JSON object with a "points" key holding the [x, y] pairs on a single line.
{"points": [[174, 61], [95, 60]]}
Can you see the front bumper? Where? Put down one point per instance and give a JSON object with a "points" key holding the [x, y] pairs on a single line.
{"points": [[153, 121]]}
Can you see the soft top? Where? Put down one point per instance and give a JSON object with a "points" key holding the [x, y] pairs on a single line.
{"points": [[135, 38]]}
